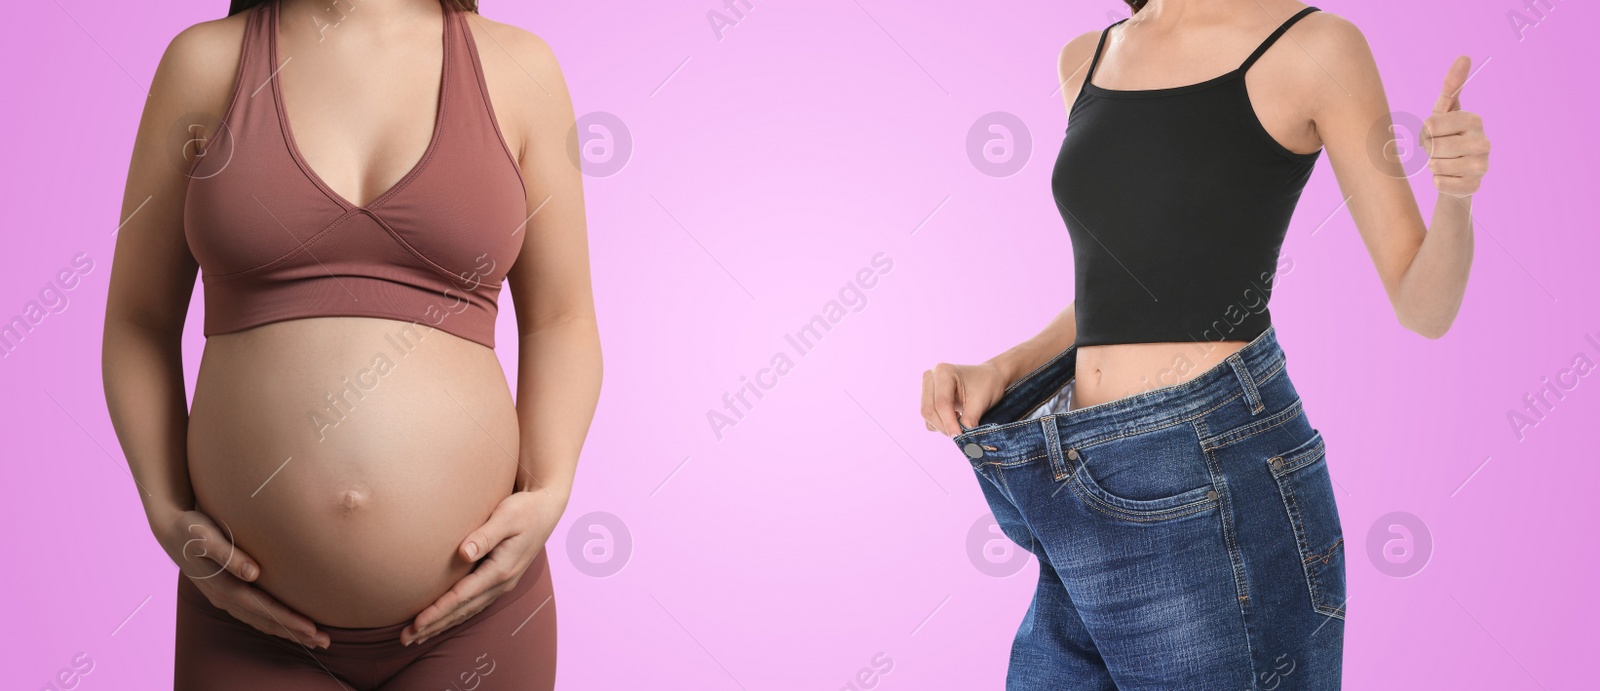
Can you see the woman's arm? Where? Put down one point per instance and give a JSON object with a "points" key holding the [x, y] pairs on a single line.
{"points": [[152, 280], [1029, 355], [1423, 268], [558, 345]]}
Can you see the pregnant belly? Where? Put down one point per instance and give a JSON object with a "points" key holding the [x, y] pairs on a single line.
{"points": [[350, 457]]}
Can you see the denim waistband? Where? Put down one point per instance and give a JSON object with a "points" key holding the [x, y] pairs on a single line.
{"points": [[1006, 430]]}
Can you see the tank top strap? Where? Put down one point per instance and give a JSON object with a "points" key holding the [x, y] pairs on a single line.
{"points": [[253, 71], [1282, 28], [1100, 48], [256, 53]]}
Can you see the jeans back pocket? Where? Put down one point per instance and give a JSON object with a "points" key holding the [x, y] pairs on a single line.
{"points": [[1307, 491]]}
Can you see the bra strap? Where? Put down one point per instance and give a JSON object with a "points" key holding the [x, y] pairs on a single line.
{"points": [[1274, 38], [1099, 48]]}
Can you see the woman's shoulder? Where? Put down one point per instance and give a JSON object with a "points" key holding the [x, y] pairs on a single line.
{"points": [[1075, 55], [1328, 34], [1073, 63], [529, 50], [197, 69]]}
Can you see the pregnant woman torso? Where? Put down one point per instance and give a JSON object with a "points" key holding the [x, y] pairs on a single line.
{"points": [[351, 423]]}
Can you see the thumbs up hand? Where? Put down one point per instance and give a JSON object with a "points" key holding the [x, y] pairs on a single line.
{"points": [[1458, 151]]}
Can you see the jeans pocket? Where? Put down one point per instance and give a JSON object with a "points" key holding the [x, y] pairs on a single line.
{"points": [[1144, 478], [1141, 510], [1307, 490]]}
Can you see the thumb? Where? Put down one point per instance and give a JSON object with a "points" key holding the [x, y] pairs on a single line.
{"points": [[209, 551], [972, 410], [1450, 95], [487, 536]]}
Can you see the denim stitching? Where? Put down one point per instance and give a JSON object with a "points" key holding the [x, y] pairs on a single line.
{"points": [[1297, 522], [1274, 372], [1251, 395], [1300, 460], [1193, 418], [1241, 583], [1011, 464], [1095, 503], [1052, 444], [1247, 431]]}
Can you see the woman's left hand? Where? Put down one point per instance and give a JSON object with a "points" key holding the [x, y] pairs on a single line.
{"points": [[511, 539], [1458, 151]]}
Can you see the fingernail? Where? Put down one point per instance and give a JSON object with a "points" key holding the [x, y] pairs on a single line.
{"points": [[472, 550], [249, 572]]}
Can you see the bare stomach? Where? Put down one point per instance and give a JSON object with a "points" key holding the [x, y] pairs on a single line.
{"points": [[350, 457], [1109, 372]]}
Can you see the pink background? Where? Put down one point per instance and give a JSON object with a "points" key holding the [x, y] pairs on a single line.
{"points": [[827, 527]]}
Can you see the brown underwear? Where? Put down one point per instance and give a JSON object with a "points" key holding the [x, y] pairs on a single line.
{"points": [[511, 644]]}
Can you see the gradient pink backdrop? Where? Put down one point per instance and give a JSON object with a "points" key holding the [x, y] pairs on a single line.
{"points": [[828, 527]]}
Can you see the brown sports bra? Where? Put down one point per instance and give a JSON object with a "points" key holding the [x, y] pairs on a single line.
{"points": [[275, 243]]}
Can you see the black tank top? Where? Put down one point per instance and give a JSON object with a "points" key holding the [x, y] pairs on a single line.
{"points": [[1177, 201]]}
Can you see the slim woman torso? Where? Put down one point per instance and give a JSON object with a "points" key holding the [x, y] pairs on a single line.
{"points": [[1154, 54]]}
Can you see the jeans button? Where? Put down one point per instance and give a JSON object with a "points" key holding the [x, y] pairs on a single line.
{"points": [[1072, 454], [972, 450]]}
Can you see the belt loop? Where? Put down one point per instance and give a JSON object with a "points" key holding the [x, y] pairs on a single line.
{"points": [[1252, 397], [1052, 442]]}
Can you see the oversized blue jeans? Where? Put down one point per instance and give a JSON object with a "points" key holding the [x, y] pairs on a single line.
{"points": [[1187, 537]]}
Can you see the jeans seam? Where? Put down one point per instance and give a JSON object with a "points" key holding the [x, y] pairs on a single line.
{"points": [[1291, 507], [1158, 428], [1271, 423], [1138, 517], [1011, 464], [1252, 396], [1017, 423], [1052, 445], [1241, 584]]}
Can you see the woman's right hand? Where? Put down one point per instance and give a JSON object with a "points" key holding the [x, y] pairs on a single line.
{"points": [[955, 394], [207, 556]]}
